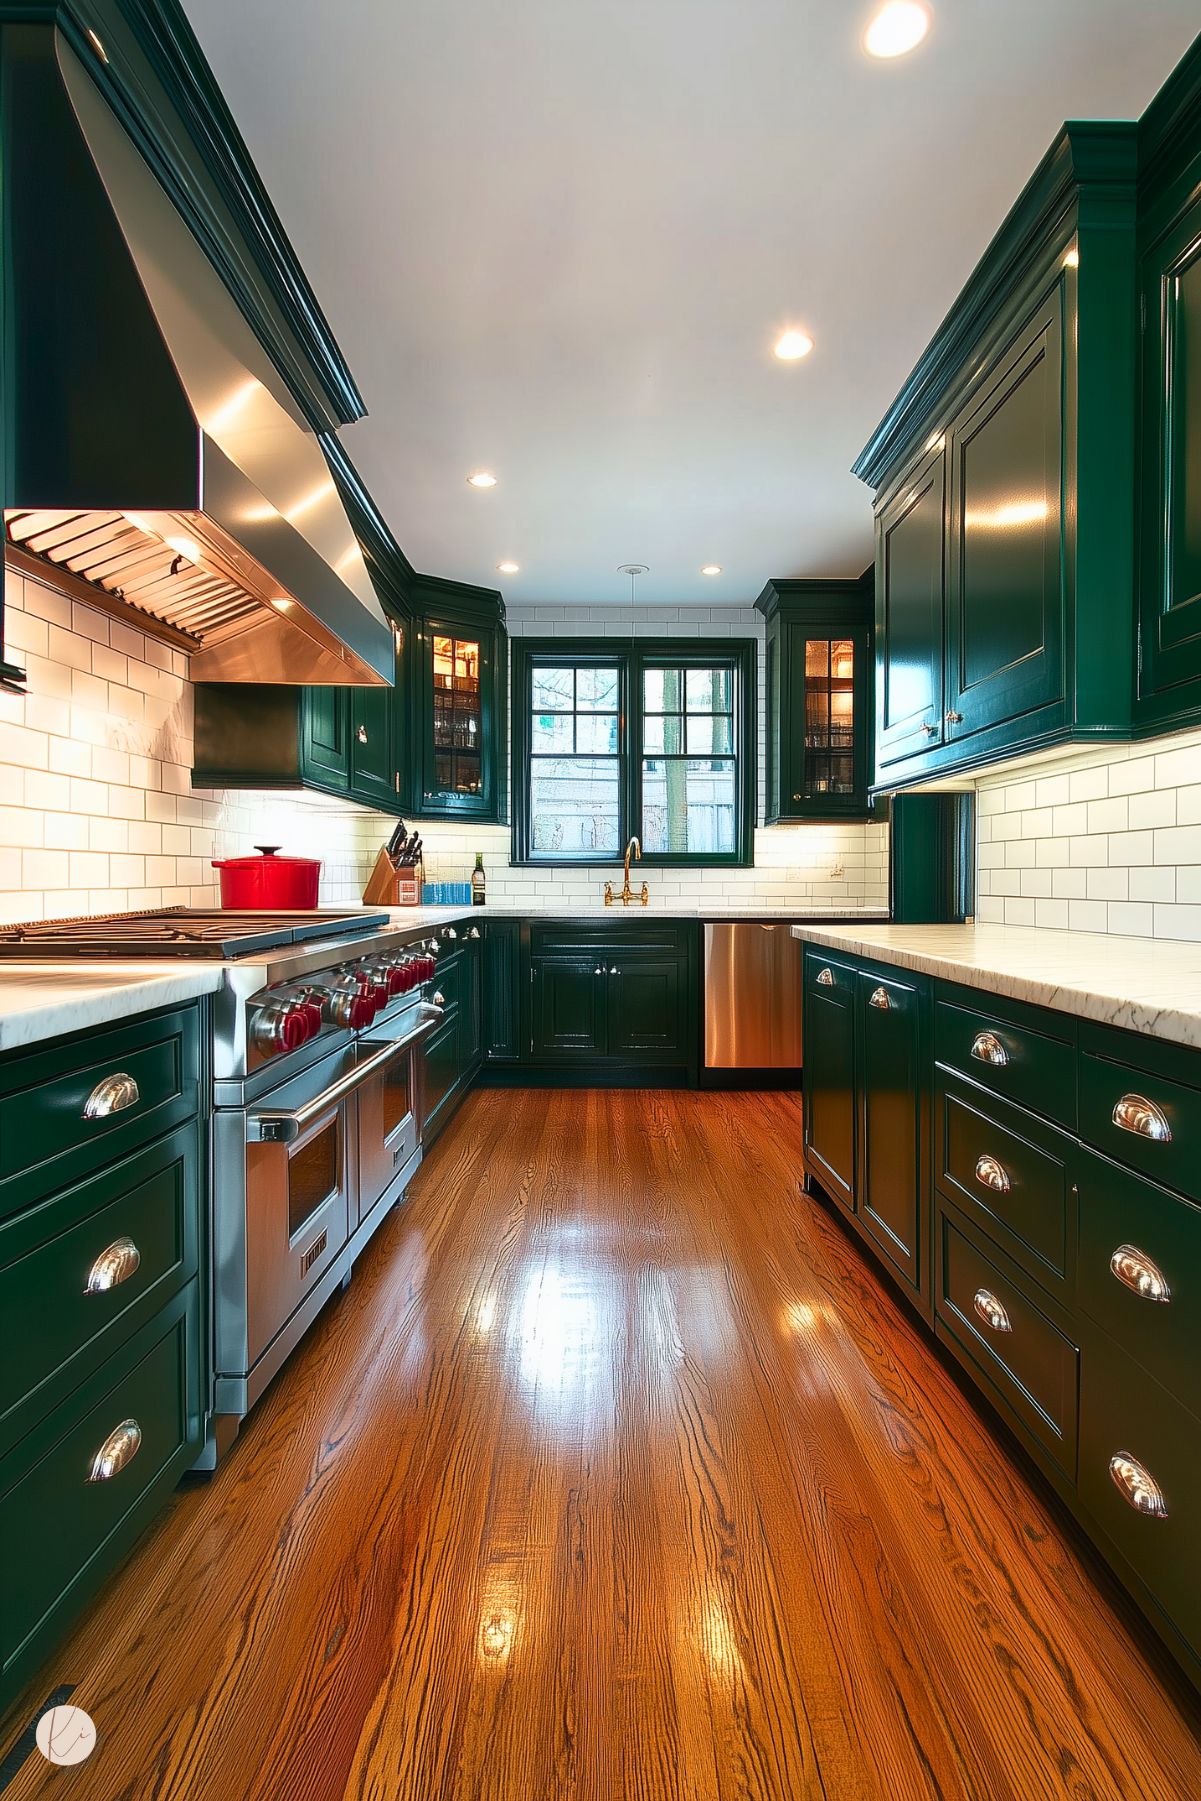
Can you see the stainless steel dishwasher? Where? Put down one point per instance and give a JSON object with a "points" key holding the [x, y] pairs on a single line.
{"points": [[752, 997]]}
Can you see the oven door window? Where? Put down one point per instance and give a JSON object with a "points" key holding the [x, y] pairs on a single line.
{"points": [[396, 1099], [314, 1173]]}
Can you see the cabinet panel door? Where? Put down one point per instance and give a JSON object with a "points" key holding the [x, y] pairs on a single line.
{"points": [[827, 677], [645, 1007], [890, 1079], [910, 615], [460, 712], [324, 745], [501, 996], [829, 1074], [568, 1007], [372, 756], [1171, 576], [1006, 596]]}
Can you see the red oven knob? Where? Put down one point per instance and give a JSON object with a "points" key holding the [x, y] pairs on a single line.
{"points": [[312, 1012], [362, 1012], [294, 1028]]}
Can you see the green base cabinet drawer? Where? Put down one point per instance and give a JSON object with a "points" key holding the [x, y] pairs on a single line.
{"points": [[83, 1103], [1022, 1054], [829, 1077], [1008, 1335], [80, 1273], [1140, 1273], [79, 1489], [893, 1202], [1140, 1478], [440, 1073], [1140, 1103], [622, 937], [1012, 1176]]}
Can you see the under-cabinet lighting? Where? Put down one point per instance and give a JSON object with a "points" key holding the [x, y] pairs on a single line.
{"points": [[1072, 259], [97, 46]]}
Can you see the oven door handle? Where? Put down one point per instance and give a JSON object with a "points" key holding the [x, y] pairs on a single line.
{"points": [[271, 1125]]}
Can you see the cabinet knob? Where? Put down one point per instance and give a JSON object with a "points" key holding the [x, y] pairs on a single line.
{"points": [[798, 797], [599, 970], [1140, 1273], [473, 932], [879, 998], [991, 1311], [1136, 1484], [613, 970], [115, 1264], [931, 731], [987, 1048], [439, 999], [119, 1448], [991, 1174], [361, 734], [954, 718], [1135, 1113], [825, 978], [113, 1095]]}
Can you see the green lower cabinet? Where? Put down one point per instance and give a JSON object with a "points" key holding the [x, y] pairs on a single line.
{"points": [[500, 981], [84, 1484], [645, 1004], [829, 1074], [866, 1103], [893, 1192], [450, 1056], [568, 1007]]}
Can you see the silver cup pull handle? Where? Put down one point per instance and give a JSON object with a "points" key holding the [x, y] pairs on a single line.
{"points": [[115, 1264], [879, 998], [825, 978], [991, 1311], [1140, 1273], [991, 1174], [113, 1095], [987, 1048], [119, 1448], [1136, 1484], [1135, 1113]]}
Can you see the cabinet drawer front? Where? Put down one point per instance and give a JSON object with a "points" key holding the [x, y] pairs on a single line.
{"points": [[827, 979], [1125, 1416], [1020, 1060], [81, 1273], [1012, 1175], [1023, 1353], [450, 978], [62, 1494], [1144, 1119], [617, 939], [1140, 1273], [78, 1107]]}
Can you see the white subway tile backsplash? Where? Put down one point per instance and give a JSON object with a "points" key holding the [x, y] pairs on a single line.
{"points": [[1119, 831]]}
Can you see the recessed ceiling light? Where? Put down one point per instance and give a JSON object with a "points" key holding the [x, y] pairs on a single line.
{"points": [[711, 569], [897, 28], [791, 345], [508, 568], [482, 479]]}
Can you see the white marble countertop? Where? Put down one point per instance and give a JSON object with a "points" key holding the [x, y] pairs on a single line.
{"points": [[1147, 985], [420, 917], [43, 1000]]}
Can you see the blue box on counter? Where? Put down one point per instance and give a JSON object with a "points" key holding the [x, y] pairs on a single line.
{"points": [[446, 894]]}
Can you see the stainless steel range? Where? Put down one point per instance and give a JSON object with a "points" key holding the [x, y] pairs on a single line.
{"points": [[317, 1105]]}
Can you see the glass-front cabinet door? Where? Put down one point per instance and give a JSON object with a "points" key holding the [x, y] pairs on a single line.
{"points": [[819, 671], [461, 705]]}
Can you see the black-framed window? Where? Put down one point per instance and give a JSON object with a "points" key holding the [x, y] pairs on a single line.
{"points": [[614, 738]]}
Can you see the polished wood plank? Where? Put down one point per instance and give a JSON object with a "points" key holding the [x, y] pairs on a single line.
{"points": [[618, 1473]]}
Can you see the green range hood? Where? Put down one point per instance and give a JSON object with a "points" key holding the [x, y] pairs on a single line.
{"points": [[150, 447]]}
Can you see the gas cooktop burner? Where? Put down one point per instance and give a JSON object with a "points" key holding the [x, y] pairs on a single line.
{"points": [[214, 932]]}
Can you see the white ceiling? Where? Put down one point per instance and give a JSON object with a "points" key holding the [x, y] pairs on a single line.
{"points": [[557, 238]]}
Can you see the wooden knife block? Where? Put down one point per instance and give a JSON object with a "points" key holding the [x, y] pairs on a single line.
{"points": [[390, 886]]}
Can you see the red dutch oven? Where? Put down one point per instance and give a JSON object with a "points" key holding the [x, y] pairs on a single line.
{"points": [[268, 880]]}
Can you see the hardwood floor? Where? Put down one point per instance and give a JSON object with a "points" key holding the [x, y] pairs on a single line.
{"points": [[616, 1476]]}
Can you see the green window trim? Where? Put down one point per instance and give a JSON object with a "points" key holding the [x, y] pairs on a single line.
{"points": [[630, 659]]}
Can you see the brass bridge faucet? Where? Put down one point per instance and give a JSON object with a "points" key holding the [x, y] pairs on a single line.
{"points": [[627, 893]]}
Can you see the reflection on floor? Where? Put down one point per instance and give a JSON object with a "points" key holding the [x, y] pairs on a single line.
{"points": [[617, 1474]]}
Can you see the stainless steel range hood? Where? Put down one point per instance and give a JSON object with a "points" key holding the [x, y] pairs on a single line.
{"points": [[150, 446]]}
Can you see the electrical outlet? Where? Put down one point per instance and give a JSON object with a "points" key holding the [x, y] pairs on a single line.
{"points": [[835, 868]]}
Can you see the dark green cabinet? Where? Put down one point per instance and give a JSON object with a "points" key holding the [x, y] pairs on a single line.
{"points": [[829, 1074], [892, 1187], [500, 986], [866, 1102], [568, 1015], [324, 735], [606, 1002], [911, 612], [451, 1055], [1006, 593], [818, 653], [460, 702], [1006, 487], [374, 759], [1170, 575], [645, 1004]]}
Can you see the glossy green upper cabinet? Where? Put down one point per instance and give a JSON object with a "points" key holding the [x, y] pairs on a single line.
{"points": [[460, 701], [1169, 687], [324, 734], [818, 650], [1006, 494]]}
